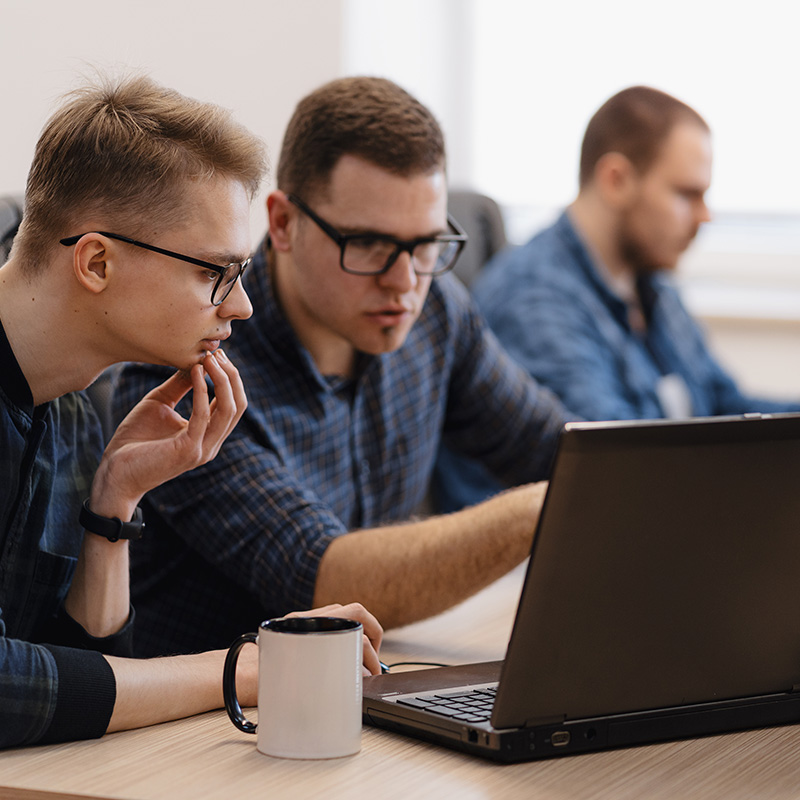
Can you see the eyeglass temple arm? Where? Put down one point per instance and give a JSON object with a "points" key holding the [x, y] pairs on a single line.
{"points": [[71, 240]]}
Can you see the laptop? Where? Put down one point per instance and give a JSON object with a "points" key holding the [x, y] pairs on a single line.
{"points": [[661, 600]]}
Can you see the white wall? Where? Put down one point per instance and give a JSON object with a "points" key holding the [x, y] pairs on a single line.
{"points": [[424, 45], [256, 57], [543, 69]]}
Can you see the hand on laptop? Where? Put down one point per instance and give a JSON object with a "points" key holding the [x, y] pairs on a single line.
{"points": [[373, 632]]}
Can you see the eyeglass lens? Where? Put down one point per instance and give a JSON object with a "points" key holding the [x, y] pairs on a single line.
{"points": [[369, 255], [226, 282]]}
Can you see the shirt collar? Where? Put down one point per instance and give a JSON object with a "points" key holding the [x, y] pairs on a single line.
{"points": [[12, 380], [272, 331], [619, 297], [623, 286]]}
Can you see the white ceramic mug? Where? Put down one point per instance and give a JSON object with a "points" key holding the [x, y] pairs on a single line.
{"points": [[309, 687]]}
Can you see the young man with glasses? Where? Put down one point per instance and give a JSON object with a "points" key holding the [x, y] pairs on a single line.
{"points": [[362, 355], [118, 163]]}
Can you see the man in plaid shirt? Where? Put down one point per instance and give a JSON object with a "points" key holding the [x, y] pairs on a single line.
{"points": [[362, 354]]}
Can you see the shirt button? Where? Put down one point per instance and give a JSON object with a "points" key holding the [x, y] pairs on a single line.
{"points": [[365, 468]]}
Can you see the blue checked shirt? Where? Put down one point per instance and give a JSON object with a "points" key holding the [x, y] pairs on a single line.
{"points": [[240, 539], [54, 684], [557, 317]]}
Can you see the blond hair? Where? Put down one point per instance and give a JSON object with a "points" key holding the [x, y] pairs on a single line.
{"points": [[122, 151]]}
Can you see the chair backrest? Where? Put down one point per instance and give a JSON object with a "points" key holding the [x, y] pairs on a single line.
{"points": [[10, 216], [481, 218]]}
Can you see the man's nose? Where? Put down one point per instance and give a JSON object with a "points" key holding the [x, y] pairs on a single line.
{"points": [[237, 304], [702, 211], [401, 275]]}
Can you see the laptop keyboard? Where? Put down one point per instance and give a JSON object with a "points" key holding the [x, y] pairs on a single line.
{"points": [[474, 705]]}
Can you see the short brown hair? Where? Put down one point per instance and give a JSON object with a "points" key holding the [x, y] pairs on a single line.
{"points": [[368, 117], [122, 150], [634, 122]]}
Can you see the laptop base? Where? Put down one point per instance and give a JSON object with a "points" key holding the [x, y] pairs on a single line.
{"points": [[564, 738]]}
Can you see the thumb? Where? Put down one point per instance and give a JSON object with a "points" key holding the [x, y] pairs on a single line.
{"points": [[175, 388]]}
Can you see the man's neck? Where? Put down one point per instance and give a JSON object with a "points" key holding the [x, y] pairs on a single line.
{"points": [[332, 355], [47, 333], [597, 226]]}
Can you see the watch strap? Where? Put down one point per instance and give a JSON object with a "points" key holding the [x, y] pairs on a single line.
{"points": [[113, 528]]}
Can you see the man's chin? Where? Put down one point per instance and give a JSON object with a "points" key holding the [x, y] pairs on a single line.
{"points": [[669, 264], [391, 339], [185, 365], [647, 261]]}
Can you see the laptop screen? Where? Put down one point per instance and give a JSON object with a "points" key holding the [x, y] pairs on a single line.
{"points": [[665, 571]]}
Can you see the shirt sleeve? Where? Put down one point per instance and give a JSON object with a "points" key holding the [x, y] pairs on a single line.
{"points": [[245, 513], [723, 392], [497, 413], [264, 529], [726, 396], [52, 694], [717, 393], [561, 347], [66, 632]]}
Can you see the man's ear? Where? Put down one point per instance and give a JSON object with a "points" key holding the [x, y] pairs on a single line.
{"points": [[91, 262], [616, 178], [281, 215]]}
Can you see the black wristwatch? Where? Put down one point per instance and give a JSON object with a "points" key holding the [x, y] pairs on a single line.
{"points": [[112, 528]]}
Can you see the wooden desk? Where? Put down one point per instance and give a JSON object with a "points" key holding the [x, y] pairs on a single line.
{"points": [[206, 757]]}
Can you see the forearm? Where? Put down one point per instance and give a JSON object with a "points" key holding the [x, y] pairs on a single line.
{"points": [[99, 595], [152, 444], [403, 573], [156, 690]]}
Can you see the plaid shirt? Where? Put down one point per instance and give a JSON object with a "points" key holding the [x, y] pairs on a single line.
{"points": [[240, 539], [49, 453]]}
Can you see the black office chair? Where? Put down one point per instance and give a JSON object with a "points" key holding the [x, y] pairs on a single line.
{"points": [[11, 207], [481, 218]]}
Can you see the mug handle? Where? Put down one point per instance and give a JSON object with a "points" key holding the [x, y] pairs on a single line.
{"points": [[232, 706]]}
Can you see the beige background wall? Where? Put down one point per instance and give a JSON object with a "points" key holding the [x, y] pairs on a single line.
{"points": [[764, 354], [258, 57]]}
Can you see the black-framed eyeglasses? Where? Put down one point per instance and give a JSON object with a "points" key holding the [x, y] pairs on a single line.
{"points": [[226, 275], [374, 253]]}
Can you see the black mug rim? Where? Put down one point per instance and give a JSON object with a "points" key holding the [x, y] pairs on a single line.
{"points": [[309, 625]]}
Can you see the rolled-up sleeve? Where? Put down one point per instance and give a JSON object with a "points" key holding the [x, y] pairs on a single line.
{"points": [[52, 694]]}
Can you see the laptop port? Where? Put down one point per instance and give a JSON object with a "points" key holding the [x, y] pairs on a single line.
{"points": [[560, 738]]}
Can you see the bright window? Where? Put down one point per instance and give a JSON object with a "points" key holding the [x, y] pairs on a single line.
{"points": [[515, 83]]}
